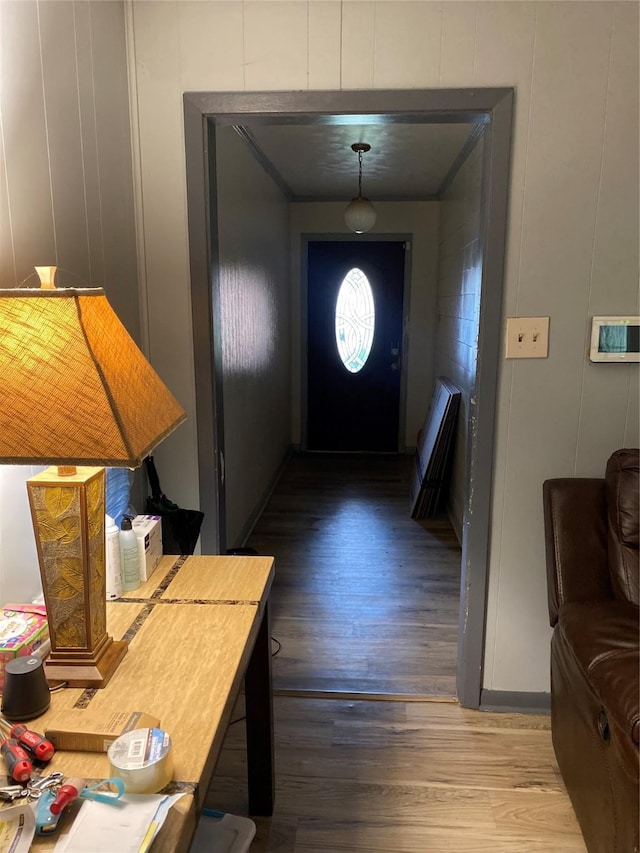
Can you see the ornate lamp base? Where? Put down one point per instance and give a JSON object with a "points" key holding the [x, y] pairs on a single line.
{"points": [[94, 673], [68, 520]]}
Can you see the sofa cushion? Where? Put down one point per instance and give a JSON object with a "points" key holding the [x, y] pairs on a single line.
{"points": [[623, 492], [604, 637], [602, 788]]}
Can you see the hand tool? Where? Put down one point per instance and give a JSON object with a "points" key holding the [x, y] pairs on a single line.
{"points": [[33, 742], [16, 759]]}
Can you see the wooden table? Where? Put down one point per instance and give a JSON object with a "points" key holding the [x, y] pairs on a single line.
{"points": [[196, 628]]}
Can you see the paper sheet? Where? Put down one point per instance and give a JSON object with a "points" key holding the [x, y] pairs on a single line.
{"points": [[17, 827], [122, 827]]}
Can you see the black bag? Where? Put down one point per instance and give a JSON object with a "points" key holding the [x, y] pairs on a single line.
{"points": [[180, 527]]}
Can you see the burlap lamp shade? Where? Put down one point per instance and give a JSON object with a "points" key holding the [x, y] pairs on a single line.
{"points": [[75, 390]]}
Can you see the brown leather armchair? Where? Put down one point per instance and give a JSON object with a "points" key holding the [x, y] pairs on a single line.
{"points": [[593, 576]]}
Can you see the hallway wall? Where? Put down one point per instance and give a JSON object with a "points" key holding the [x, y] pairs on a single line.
{"points": [[572, 241], [255, 312], [458, 312]]}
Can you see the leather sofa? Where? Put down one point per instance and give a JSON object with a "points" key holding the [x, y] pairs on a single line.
{"points": [[593, 577]]}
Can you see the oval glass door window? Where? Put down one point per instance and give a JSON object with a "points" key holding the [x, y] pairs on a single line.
{"points": [[355, 320]]}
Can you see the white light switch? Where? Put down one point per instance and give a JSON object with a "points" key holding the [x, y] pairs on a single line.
{"points": [[527, 337]]}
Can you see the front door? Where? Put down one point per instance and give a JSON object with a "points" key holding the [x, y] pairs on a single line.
{"points": [[354, 340]]}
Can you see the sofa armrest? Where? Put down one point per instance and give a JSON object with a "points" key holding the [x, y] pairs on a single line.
{"points": [[575, 523]]}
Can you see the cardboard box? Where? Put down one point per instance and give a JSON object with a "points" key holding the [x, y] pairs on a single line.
{"points": [[148, 529], [86, 731], [23, 629]]}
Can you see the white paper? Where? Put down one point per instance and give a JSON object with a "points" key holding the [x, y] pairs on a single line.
{"points": [[17, 828], [120, 827]]}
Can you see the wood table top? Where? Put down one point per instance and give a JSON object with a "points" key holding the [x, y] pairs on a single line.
{"points": [[191, 628]]}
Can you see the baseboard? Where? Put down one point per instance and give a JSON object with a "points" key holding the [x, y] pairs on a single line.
{"points": [[258, 509], [515, 702]]}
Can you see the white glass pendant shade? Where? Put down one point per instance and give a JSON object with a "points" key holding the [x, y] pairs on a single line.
{"points": [[360, 215]]}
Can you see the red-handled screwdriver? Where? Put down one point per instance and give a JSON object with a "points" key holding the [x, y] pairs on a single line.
{"points": [[17, 760], [35, 744]]}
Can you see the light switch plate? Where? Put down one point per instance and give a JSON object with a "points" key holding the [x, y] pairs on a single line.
{"points": [[527, 337]]}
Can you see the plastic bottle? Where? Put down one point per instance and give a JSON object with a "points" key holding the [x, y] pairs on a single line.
{"points": [[129, 556], [114, 570]]}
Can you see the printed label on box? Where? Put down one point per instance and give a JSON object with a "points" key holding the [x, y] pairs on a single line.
{"points": [[148, 529]]}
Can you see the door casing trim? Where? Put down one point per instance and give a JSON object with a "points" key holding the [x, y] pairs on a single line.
{"points": [[494, 107]]}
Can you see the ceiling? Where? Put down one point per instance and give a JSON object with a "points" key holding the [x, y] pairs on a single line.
{"points": [[314, 162]]}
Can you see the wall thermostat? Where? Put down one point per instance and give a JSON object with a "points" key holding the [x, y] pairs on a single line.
{"points": [[615, 339]]}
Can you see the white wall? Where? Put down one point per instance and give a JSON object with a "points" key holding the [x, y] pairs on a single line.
{"points": [[19, 573], [572, 254], [572, 233], [458, 308], [66, 196], [417, 218], [255, 297]]}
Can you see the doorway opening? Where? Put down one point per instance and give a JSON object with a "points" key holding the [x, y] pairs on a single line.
{"points": [[205, 113]]}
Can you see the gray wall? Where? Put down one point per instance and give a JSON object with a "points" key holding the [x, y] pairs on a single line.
{"points": [[458, 311], [255, 299]]}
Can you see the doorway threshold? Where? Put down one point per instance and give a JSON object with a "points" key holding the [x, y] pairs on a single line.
{"points": [[364, 696]]}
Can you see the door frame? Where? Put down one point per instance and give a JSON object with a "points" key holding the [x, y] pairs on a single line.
{"points": [[305, 239], [203, 111]]}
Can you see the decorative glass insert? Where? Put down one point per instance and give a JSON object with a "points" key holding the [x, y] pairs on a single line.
{"points": [[355, 320]]}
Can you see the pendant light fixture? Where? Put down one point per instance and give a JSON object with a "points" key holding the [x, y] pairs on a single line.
{"points": [[360, 215]]}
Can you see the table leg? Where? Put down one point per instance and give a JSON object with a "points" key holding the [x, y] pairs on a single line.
{"points": [[259, 710]]}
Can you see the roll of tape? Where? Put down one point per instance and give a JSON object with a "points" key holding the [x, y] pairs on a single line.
{"points": [[142, 759]]}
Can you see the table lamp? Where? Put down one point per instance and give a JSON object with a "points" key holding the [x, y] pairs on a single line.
{"points": [[75, 390]]}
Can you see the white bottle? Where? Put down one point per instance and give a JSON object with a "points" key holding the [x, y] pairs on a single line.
{"points": [[129, 556], [112, 549]]}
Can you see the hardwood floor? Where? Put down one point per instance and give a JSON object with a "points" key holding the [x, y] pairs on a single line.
{"points": [[365, 599], [365, 604], [404, 777]]}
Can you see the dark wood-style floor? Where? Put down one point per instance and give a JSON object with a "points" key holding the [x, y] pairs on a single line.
{"points": [[365, 602], [365, 599]]}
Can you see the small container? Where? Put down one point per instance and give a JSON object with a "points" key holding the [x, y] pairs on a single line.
{"points": [[224, 833], [129, 560], [23, 629], [114, 569], [26, 693]]}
